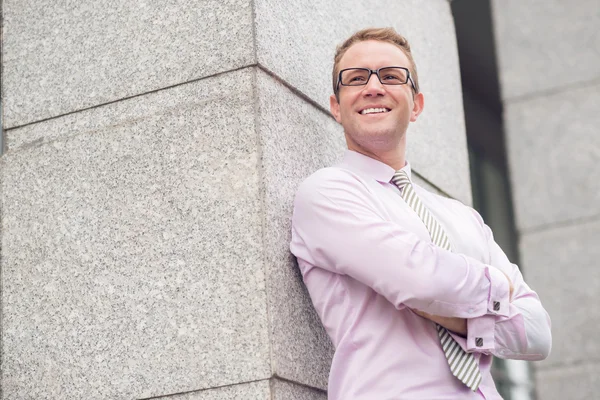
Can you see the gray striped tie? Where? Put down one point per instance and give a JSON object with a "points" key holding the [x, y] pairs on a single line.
{"points": [[462, 364]]}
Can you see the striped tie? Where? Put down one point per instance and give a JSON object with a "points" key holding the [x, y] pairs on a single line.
{"points": [[462, 364]]}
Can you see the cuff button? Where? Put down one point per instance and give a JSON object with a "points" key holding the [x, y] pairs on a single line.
{"points": [[496, 306], [478, 342]]}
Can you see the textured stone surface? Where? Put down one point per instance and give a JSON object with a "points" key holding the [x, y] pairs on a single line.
{"points": [[297, 140], [579, 382], [543, 45], [553, 150], [282, 390], [272, 389], [248, 391], [132, 262], [64, 56], [562, 266], [300, 51]]}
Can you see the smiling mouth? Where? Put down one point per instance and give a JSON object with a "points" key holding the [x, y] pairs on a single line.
{"points": [[374, 111]]}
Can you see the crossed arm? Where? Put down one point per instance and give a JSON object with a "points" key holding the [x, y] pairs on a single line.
{"points": [[340, 231], [457, 325]]}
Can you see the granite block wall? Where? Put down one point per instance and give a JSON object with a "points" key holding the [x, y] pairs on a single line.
{"points": [[132, 263], [548, 58], [61, 57], [152, 155], [256, 390]]}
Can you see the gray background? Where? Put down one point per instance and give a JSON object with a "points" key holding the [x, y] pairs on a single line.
{"points": [[152, 154], [549, 62]]}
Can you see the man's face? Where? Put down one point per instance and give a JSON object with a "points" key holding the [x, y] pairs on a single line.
{"points": [[379, 131]]}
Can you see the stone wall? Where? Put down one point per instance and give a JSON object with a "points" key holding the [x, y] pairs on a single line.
{"points": [[549, 54], [153, 152]]}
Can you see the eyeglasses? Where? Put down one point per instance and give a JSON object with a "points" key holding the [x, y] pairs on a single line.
{"points": [[386, 75]]}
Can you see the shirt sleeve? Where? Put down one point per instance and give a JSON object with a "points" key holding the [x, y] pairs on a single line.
{"points": [[524, 333], [336, 227]]}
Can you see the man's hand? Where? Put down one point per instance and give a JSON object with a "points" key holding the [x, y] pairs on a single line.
{"points": [[456, 325]]}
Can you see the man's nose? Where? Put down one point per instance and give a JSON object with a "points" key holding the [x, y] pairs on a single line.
{"points": [[374, 86]]}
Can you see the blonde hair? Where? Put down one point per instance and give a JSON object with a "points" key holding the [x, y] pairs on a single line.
{"points": [[383, 35]]}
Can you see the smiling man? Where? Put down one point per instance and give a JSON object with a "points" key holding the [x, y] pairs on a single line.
{"points": [[410, 286]]}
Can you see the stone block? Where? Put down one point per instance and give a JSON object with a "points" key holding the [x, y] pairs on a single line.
{"points": [[259, 390], [546, 45], [272, 389], [297, 41], [577, 382], [561, 266], [553, 151], [59, 57], [132, 258], [297, 139], [283, 390]]}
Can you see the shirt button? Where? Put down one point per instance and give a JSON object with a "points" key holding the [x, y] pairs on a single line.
{"points": [[496, 306], [470, 310], [479, 342]]}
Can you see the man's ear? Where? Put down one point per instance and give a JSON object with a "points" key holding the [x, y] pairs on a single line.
{"points": [[334, 107], [419, 104]]}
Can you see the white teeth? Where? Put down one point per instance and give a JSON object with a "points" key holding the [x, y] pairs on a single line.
{"points": [[373, 110]]}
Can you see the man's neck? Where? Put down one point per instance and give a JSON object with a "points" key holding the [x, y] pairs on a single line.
{"points": [[394, 159]]}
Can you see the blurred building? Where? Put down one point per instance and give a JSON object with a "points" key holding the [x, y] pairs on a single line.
{"points": [[151, 155], [547, 66]]}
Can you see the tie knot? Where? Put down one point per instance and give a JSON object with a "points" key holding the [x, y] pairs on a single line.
{"points": [[400, 179]]}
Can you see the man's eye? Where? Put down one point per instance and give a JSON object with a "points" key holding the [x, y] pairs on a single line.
{"points": [[391, 78], [357, 79]]}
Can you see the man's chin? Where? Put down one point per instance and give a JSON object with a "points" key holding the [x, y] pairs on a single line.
{"points": [[376, 141], [379, 134]]}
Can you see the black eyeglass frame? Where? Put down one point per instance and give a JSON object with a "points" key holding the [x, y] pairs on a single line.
{"points": [[376, 72]]}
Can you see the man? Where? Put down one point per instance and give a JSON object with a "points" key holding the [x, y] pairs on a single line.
{"points": [[410, 286]]}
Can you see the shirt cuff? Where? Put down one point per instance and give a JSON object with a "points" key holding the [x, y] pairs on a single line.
{"points": [[480, 334], [499, 297]]}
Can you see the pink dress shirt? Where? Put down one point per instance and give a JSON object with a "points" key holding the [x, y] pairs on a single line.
{"points": [[367, 260]]}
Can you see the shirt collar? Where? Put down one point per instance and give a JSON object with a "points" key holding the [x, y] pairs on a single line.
{"points": [[369, 166]]}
